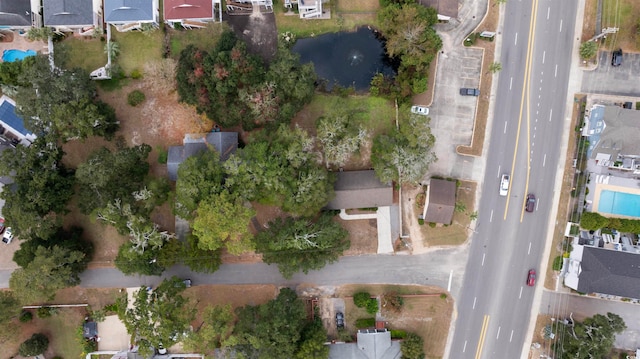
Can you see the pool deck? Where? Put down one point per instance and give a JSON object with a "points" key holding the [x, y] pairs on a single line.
{"points": [[599, 187], [21, 43]]}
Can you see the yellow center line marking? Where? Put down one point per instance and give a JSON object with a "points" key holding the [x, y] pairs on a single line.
{"points": [[525, 91], [483, 333]]}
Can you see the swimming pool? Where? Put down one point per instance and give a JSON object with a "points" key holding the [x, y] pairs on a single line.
{"points": [[13, 55], [625, 204]]}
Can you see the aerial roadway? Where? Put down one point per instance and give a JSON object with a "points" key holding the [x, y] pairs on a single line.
{"points": [[494, 307]]}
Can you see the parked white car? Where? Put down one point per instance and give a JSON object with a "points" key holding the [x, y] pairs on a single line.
{"points": [[504, 185], [7, 237], [420, 110]]}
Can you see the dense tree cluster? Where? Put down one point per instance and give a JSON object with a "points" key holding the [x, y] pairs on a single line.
{"points": [[232, 86], [592, 338], [302, 244], [405, 154], [62, 103], [281, 168], [340, 137], [278, 329], [410, 36], [412, 347]]}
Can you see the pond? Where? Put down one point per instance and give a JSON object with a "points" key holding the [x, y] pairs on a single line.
{"points": [[347, 58]]}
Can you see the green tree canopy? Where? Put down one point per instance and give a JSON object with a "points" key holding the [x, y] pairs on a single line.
{"points": [[312, 346], [405, 154], [588, 50], [51, 269], [159, 316], [339, 137], [223, 221], [409, 33], [217, 325], [36, 345], [198, 259], [593, 338], [42, 187], [271, 330], [68, 239], [10, 306], [199, 177], [302, 244], [412, 347], [107, 176], [280, 168], [63, 103], [593, 221]]}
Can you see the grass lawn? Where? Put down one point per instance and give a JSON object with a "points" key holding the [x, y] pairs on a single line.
{"points": [[345, 15], [87, 54], [375, 114], [622, 14], [203, 38], [137, 48]]}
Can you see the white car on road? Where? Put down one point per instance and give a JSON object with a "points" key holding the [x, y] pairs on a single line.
{"points": [[504, 185], [420, 110]]}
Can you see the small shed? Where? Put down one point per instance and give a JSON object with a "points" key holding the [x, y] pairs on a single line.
{"points": [[440, 202]]}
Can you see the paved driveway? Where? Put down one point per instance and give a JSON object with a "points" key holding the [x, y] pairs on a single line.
{"points": [[623, 80]]}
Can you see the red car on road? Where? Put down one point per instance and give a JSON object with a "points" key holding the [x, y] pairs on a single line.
{"points": [[531, 278]]}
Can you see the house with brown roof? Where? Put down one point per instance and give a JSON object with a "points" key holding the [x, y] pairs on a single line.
{"points": [[360, 189], [440, 201], [191, 13]]}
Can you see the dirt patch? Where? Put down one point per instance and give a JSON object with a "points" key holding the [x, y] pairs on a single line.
{"points": [[539, 340], [490, 23], [423, 237], [589, 20], [363, 235], [358, 6]]}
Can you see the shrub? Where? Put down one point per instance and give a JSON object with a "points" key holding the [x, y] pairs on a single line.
{"points": [[392, 301], [360, 299], [33, 346], [398, 334], [412, 347], [162, 156], [557, 263], [111, 308], [372, 306], [135, 98], [443, 296], [637, 105], [432, 224], [365, 323], [344, 336], [45, 312], [136, 74], [26, 316], [420, 221]]}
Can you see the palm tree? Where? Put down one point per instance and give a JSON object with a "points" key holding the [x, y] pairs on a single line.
{"points": [[112, 49]]}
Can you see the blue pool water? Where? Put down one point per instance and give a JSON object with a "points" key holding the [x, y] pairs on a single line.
{"points": [[625, 204], [14, 55]]}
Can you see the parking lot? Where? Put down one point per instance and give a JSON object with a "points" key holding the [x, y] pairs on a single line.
{"points": [[623, 80], [452, 115]]}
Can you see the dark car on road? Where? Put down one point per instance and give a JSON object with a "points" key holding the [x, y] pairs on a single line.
{"points": [[339, 320], [469, 92], [531, 278], [531, 202], [616, 58]]}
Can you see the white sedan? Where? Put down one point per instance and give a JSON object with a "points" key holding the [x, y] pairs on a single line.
{"points": [[420, 110]]}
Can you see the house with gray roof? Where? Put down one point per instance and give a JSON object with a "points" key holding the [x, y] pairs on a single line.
{"points": [[12, 129], [226, 143], [81, 17], [371, 344], [17, 14], [440, 201], [360, 189], [446, 9], [613, 139], [128, 15], [604, 271]]}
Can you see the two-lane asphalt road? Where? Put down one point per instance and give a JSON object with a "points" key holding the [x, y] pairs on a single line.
{"points": [[529, 118]]}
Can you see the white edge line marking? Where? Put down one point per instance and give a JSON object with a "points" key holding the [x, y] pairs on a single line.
{"points": [[537, 204], [491, 217], [548, 12], [560, 25], [498, 335], [474, 302], [511, 337], [499, 168], [529, 251], [520, 296], [556, 73], [465, 346], [483, 255], [544, 55], [505, 126], [516, 42], [544, 161], [450, 279], [550, 114]]}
